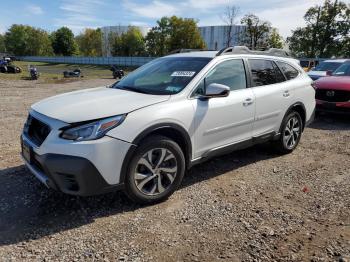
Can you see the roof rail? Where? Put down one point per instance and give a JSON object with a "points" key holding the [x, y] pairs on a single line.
{"points": [[187, 50], [245, 50]]}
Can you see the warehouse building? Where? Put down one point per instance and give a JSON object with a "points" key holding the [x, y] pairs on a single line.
{"points": [[215, 37]]}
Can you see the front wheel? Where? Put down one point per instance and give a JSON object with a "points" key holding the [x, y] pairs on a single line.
{"points": [[291, 130], [155, 171]]}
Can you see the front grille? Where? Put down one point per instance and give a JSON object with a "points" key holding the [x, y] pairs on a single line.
{"points": [[36, 130], [332, 95]]}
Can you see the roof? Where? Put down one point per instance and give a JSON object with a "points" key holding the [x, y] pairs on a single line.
{"points": [[213, 54]]}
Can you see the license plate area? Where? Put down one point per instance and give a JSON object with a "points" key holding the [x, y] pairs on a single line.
{"points": [[329, 105], [27, 151]]}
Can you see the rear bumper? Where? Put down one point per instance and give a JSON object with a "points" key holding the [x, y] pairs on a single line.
{"points": [[69, 174]]}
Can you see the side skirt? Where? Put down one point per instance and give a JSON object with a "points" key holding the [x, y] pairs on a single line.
{"points": [[223, 150]]}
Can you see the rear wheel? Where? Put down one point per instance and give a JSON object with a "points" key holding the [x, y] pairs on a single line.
{"points": [[155, 171], [291, 130]]}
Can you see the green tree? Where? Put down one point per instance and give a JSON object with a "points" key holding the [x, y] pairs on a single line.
{"points": [[27, 40], [63, 42], [2, 43], [173, 33], [275, 40], [257, 31], [326, 32], [130, 43], [90, 42]]}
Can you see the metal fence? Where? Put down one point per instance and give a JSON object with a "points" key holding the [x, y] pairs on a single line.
{"points": [[120, 60]]}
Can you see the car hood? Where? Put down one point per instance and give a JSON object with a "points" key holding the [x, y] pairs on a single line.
{"points": [[334, 82], [94, 103]]}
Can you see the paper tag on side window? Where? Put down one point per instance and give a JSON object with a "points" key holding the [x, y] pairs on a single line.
{"points": [[183, 73]]}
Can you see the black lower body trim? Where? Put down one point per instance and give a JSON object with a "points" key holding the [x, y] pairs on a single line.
{"points": [[72, 175], [237, 146]]}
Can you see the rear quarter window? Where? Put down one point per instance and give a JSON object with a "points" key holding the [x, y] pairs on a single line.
{"points": [[289, 71]]}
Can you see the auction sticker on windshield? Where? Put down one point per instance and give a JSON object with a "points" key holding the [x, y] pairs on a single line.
{"points": [[183, 73]]}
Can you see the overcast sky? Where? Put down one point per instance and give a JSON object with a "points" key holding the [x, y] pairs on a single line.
{"points": [[78, 14]]}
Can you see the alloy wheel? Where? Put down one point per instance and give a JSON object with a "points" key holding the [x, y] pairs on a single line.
{"points": [[292, 132], [155, 171]]}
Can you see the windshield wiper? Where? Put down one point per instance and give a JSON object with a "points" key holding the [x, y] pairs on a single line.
{"points": [[133, 89]]}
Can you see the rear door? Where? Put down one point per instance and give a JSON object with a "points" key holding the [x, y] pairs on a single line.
{"points": [[272, 97]]}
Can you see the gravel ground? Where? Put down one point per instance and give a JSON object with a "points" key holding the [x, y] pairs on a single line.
{"points": [[251, 205]]}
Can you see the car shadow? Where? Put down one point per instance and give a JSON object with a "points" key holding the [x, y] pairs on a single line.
{"points": [[327, 121], [30, 211]]}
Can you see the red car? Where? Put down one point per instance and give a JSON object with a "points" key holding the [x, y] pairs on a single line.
{"points": [[333, 92]]}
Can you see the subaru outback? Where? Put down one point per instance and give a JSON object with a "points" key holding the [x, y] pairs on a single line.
{"points": [[142, 133]]}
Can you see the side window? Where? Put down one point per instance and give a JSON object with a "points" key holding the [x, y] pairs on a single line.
{"points": [[279, 76], [289, 71], [264, 72], [230, 73]]}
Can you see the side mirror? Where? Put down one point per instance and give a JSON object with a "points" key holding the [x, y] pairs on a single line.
{"points": [[329, 73], [216, 90]]}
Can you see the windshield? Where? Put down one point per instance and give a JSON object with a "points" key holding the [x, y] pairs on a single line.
{"points": [[327, 66], [163, 76], [343, 70]]}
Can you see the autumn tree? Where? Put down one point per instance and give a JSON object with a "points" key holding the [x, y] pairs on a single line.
{"points": [[275, 40], [130, 43], [172, 33], [90, 42]]}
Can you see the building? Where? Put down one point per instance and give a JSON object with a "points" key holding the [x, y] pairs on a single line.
{"points": [[215, 37], [119, 29]]}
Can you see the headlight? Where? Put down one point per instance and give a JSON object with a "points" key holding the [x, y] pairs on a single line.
{"points": [[93, 130]]}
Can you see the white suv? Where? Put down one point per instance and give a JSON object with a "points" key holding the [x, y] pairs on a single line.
{"points": [[142, 133]]}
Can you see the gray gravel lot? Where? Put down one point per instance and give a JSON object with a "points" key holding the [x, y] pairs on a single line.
{"points": [[251, 205]]}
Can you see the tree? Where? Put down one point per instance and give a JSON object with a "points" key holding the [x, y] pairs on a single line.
{"points": [[326, 32], [90, 42], [2, 43], [158, 39], [275, 40], [26, 40], [172, 33], [230, 18], [257, 31], [130, 43], [63, 42], [133, 43]]}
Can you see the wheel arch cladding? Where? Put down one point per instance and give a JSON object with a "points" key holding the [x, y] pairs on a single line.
{"points": [[172, 131], [300, 108]]}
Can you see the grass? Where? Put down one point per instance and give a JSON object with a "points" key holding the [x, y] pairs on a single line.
{"points": [[50, 72]]}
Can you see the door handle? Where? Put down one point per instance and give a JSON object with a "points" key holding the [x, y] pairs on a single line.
{"points": [[248, 102], [286, 93]]}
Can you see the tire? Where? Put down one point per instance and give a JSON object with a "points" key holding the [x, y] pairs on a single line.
{"points": [[289, 141], [151, 181]]}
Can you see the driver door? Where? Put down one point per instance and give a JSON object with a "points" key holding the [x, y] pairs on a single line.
{"points": [[222, 121]]}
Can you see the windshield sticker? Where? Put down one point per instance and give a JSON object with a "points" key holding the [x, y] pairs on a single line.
{"points": [[183, 73], [173, 88]]}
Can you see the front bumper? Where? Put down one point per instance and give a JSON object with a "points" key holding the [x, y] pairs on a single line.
{"points": [[78, 168], [69, 174]]}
